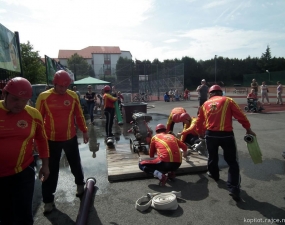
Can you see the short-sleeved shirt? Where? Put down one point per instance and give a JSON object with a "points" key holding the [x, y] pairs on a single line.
{"points": [[90, 97]]}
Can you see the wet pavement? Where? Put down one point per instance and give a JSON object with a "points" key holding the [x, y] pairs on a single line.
{"points": [[112, 206]]}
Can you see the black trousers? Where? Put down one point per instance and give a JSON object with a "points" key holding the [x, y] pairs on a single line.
{"points": [[16, 197], [109, 114], [71, 150], [162, 167], [226, 140]]}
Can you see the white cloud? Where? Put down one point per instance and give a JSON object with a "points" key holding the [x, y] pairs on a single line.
{"points": [[171, 41]]}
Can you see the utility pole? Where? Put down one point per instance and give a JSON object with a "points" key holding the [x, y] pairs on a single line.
{"points": [[215, 69]]}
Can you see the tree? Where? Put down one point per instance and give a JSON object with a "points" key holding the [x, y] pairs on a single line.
{"points": [[80, 67], [32, 65]]}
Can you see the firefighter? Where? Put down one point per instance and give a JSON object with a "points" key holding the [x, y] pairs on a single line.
{"points": [[177, 115], [109, 110], [21, 127], [169, 157], [215, 122], [189, 134]]}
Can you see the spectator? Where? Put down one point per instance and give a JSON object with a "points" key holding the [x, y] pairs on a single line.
{"points": [[254, 85], [254, 97], [176, 94], [264, 92], [171, 95], [279, 93], [77, 92], [101, 102], [59, 106], [202, 92], [21, 127], [186, 93], [169, 158], [91, 99], [218, 111], [120, 99], [166, 97]]}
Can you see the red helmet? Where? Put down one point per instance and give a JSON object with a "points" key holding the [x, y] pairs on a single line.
{"points": [[107, 88], [160, 127], [61, 77], [20, 87], [176, 118], [215, 88], [184, 116]]}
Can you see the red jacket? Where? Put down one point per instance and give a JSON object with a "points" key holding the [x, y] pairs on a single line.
{"points": [[175, 111], [166, 147], [189, 129], [216, 115], [109, 100]]}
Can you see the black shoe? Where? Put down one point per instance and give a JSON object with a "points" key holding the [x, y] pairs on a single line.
{"points": [[235, 196], [211, 176]]}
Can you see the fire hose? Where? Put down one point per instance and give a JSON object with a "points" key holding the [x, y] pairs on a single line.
{"points": [[85, 202], [159, 201]]}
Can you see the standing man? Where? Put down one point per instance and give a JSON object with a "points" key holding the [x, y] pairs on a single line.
{"points": [[76, 91], [91, 99], [20, 127], [279, 93], [254, 85], [215, 121], [202, 92], [169, 157], [58, 107], [109, 110]]}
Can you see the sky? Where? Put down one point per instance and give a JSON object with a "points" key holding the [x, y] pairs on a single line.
{"points": [[151, 29]]}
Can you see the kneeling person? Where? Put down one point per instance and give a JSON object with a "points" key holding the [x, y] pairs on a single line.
{"points": [[169, 157]]}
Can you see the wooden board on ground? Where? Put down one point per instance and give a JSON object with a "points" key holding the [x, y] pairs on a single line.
{"points": [[123, 164]]}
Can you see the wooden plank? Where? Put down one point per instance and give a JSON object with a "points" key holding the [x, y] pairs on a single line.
{"points": [[123, 164]]}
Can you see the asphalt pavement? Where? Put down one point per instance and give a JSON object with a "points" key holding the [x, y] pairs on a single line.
{"points": [[204, 201]]}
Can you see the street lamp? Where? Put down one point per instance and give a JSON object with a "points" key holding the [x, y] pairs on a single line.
{"points": [[267, 71], [215, 68]]}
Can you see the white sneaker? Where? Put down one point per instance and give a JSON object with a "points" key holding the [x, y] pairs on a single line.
{"points": [[80, 190], [48, 207]]}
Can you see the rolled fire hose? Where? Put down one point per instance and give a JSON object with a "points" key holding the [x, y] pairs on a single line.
{"points": [[248, 138], [86, 201], [159, 201]]}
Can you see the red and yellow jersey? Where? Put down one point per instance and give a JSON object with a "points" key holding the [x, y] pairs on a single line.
{"points": [[189, 129], [59, 112], [17, 132], [175, 111], [166, 147], [216, 115], [109, 100]]}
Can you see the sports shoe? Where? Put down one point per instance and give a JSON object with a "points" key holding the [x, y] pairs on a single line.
{"points": [[163, 180], [171, 175], [80, 190], [211, 176], [48, 207]]}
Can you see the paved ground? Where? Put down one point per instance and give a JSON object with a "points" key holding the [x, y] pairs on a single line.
{"points": [[205, 201]]}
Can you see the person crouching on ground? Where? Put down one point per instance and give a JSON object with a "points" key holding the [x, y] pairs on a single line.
{"points": [[174, 117], [109, 110], [21, 128], [169, 157], [189, 134], [218, 112]]}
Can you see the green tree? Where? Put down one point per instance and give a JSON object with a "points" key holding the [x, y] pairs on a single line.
{"points": [[32, 65], [80, 67]]}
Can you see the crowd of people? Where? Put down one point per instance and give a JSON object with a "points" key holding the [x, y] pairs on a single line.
{"points": [[50, 127]]}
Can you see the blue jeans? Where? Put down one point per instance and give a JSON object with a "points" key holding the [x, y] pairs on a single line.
{"points": [[16, 197], [71, 150], [90, 109]]}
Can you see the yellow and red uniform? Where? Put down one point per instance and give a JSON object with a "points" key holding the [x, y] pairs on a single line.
{"points": [[216, 115], [177, 111], [189, 129], [54, 108], [167, 148], [109, 101], [17, 132]]}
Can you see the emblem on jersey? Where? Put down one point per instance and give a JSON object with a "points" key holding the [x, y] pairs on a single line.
{"points": [[22, 124], [66, 102], [213, 106]]}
